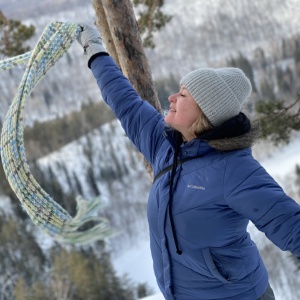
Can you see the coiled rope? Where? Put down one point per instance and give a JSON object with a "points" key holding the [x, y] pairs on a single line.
{"points": [[42, 209]]}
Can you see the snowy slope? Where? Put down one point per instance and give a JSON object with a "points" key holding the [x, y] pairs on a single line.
{"points": [[197, 36], [105, 163], [282, 163], [201, 33]]}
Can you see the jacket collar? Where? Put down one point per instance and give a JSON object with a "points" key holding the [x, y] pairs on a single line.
{"points": [[193, 148], [200, 146]]}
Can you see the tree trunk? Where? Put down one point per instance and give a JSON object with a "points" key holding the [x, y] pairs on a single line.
{"points": [[118, 26], [103, 27]]}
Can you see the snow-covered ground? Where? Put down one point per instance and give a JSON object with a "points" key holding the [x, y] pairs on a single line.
{"points": [[137, 261], [281, 164]]}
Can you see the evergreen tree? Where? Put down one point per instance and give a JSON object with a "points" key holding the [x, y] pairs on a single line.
{"points": [[243, 63], [54, 188], [13, 34], [261, 59], [297, 56], [21, 290], [267, 90], [285, 79], [297, 51], [143, 290], [80, 275], [45, 137], [278, 120], [78, 186], [151, 19], [279, 117], [20, 257], [91, 177]]}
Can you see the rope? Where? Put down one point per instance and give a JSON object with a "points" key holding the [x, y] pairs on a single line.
{"points": [[42, 209]]}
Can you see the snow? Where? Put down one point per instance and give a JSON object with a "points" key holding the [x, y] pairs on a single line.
{"points": [[280, 163], [137, 263], [6, 206], [154, 297], [283, 161]]}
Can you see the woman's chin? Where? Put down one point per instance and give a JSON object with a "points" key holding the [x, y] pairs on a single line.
{"points": [[168, 119]]}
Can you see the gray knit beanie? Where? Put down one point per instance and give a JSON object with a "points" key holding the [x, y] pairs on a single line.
{"points": [[220, 93]]}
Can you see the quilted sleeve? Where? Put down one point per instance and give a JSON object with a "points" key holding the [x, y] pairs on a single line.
{"points": [[252, 192], [142, 123]]}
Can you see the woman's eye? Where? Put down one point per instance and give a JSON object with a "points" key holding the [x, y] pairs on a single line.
{"points": [[181, 95]]}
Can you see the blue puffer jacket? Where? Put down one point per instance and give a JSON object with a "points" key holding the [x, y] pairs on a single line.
{"points": [[214, 198]]}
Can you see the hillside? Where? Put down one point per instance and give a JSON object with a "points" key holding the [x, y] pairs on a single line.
{"points": [[104, 163], [201, 33], [22, 10]]}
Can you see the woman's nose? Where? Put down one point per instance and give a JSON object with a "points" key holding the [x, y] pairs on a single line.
{"points": [[172, 98]]}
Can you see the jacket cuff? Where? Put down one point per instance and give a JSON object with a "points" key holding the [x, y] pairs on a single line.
{"points": [[96, 55]]}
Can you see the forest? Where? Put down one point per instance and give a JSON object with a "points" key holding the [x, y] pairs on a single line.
{"points": [[77, 147]]}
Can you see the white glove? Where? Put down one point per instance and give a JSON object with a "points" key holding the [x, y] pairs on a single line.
{"points": [[91, 40]]}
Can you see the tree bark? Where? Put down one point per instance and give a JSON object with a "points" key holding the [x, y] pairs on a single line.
{"points": [[125, 35], [119, 27], [103, 27]]}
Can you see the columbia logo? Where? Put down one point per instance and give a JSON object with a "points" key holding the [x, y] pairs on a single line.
{"points": [[197, 187]]}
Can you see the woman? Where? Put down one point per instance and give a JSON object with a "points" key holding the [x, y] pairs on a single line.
{"points": [[208, 186]]}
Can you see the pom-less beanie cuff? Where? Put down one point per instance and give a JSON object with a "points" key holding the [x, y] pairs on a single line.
{"points": [[220, 93]]}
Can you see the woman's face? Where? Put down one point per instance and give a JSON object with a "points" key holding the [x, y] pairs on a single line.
{"points": [[183, 112]]}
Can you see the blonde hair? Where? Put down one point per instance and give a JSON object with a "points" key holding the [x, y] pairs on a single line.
{"points": [[200, 125]]}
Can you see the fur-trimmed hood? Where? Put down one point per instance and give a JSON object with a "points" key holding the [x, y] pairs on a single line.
{"points": [[239, 142]]}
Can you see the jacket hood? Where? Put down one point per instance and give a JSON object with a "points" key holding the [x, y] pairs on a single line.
{"points": [[245, 140], [242, 141]]}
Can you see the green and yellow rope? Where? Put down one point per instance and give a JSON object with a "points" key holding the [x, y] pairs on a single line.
{"points": [[42, 209]]}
